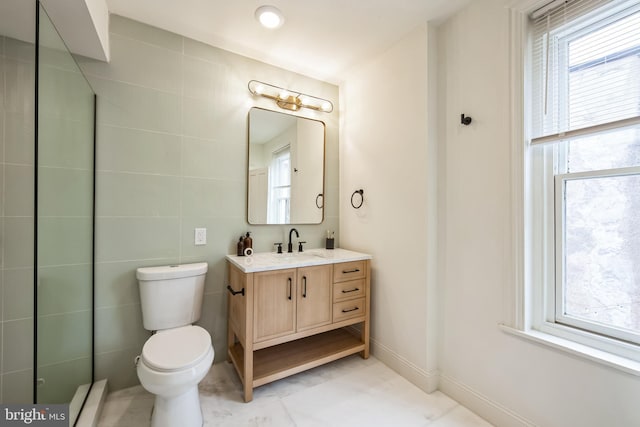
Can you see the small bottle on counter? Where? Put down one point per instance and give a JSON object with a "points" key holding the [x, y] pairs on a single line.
{"points": [[330, 242], [248, 241], [240, 251]]}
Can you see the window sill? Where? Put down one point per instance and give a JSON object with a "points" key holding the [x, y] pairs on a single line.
{"points": [[602, 357]]}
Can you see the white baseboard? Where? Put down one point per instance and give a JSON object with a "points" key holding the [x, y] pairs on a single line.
{"points": [[425, 380], [481, 405]]}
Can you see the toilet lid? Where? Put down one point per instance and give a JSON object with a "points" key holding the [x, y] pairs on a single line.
{"points": [[176, 349]]}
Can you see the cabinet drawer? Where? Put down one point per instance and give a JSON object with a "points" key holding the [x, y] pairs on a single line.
{"points": [[348, 309], [348, 290], [348, 271]]}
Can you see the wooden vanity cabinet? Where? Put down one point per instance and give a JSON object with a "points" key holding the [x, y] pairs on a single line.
{"points": [[292, 300], [282, 322]]}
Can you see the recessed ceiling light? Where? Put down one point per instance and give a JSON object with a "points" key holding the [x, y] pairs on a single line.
{"points": [[269, 16]]}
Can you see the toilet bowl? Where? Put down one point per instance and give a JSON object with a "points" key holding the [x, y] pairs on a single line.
{"points": [[179, 355], [171, 365]]}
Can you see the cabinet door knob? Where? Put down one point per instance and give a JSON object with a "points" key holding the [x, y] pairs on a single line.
{"points": [[289, 279]]}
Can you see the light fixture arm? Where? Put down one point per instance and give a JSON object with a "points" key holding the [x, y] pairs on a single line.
{"points": [[288, 99]]}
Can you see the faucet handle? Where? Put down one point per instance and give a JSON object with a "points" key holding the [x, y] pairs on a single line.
{"points": [[300, 246], [279, 247]]}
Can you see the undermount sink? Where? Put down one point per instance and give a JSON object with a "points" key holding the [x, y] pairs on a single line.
{"points": [[291, 257], [310, 254], [322, 253]]}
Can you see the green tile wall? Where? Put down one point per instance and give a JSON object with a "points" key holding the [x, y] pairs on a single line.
{"points": [[64, 290], [172, 156], [16, 219]]}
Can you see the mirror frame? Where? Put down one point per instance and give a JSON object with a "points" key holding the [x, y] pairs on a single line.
{"points": [[324, 156]]}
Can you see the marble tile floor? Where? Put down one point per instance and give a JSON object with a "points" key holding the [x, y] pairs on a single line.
{"points": [[349, 392]]}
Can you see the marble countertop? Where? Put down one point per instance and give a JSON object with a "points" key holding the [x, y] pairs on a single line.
{"points": [[266, 261]]}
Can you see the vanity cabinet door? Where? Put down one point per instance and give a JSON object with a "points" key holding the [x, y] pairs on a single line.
{"points": [[274, 304], [314, 296]]}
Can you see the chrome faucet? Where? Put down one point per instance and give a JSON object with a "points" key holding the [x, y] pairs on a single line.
{"points": [[290, 245]]}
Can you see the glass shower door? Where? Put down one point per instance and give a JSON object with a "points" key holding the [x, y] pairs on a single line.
{"points": [[65, 225]]}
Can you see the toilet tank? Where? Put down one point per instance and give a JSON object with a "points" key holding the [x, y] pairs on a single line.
{"points": [[171, 295]]}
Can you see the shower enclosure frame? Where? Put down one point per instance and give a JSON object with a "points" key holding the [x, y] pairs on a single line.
{"points": [[36, 270]]}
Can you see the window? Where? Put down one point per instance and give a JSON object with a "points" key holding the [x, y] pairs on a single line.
{"points": [[584, 181], [280, 187]]}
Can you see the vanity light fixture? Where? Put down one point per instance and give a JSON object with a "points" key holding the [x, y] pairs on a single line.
{"points": [[288, 99], [269, 17]]}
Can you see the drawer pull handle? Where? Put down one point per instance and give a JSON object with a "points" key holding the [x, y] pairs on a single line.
{"points": [[304, 286], [235, 292], [289, 279], [355, 270], [347, 310], [346, 291]]}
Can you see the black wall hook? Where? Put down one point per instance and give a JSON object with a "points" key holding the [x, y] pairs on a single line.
{"points": [[465, 120]]}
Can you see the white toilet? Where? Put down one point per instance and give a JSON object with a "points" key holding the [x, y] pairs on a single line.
{"points": [[179, 355]]}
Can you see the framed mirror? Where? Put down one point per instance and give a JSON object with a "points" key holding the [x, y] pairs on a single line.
{"points": [[285, 177]]}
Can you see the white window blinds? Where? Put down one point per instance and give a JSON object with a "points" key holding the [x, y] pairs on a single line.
{"points": [[586, 68]]}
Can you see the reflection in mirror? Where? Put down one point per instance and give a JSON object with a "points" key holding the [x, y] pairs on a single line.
{"points": [[285, 182]]}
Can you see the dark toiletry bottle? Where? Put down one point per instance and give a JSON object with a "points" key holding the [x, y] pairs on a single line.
{"points": [[241, 246], [248, 241], [330, 241]]}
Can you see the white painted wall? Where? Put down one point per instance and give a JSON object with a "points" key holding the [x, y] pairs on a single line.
{"points": [[258, 195], [279, 142], [308, 167], [385, 149], [83, 25], [99, 13], [501, 377]]}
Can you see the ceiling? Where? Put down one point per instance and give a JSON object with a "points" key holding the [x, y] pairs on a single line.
{"points": [[321, 39]]}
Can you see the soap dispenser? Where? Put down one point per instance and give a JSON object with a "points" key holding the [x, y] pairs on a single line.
{"points": [[248, 241], [240, 251]]}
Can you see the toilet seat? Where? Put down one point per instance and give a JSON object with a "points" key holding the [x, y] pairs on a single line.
{"points": [[176, 349]]}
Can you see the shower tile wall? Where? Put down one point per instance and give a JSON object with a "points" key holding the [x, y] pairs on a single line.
{"points": [[172, 156], [17, 74]]}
